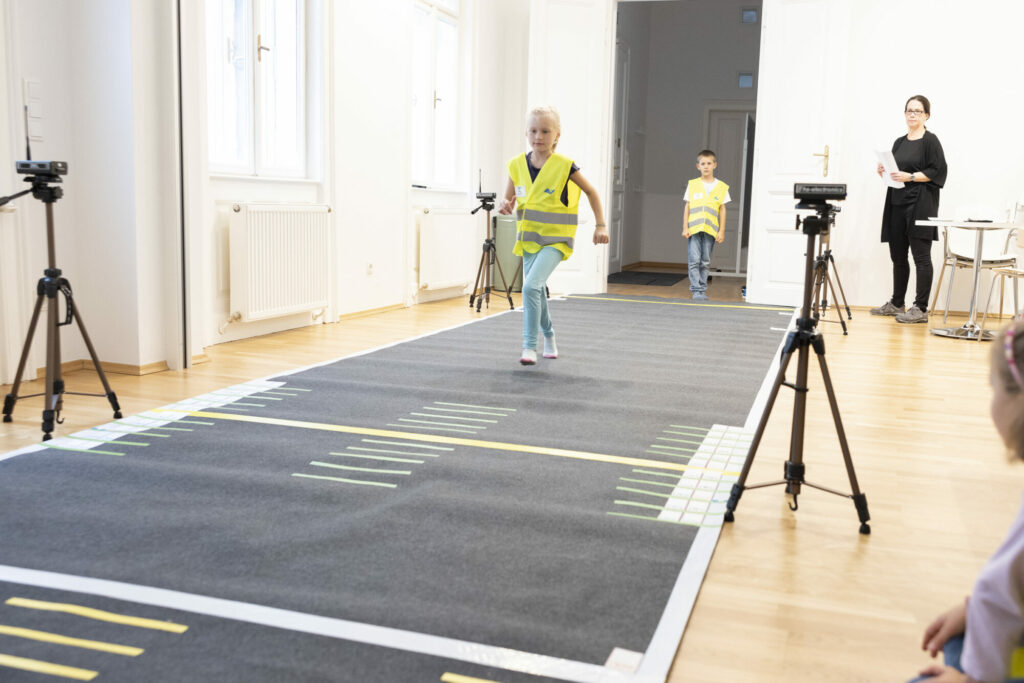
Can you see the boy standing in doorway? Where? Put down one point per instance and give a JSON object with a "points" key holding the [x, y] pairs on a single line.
{"points": [[703, 221]]}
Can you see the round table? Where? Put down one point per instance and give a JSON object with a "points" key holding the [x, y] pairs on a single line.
{"points": [[970, 329]]}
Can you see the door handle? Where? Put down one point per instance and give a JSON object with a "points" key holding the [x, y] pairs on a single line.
{"points": [[825, 154], [260, 47]]}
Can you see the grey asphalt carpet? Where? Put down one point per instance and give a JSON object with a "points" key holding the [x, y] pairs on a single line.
{"points": [[637, 277], [434, 487]]}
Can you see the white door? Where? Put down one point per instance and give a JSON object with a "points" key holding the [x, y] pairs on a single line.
{"points": [[620, 158], [570, 67], [803, 48]]}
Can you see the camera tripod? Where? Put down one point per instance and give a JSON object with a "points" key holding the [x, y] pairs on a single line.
{"points": [[47, 288], [800, 340], [823, 283], [482, 287]]}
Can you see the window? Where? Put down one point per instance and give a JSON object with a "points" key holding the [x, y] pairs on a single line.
{"points": [[435, 97], [748, 15], [256, 86], [746, 80]]}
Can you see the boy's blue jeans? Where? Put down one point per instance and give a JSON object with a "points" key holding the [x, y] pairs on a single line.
{"points": [[537, 268], [951, 652], [699, 245]]}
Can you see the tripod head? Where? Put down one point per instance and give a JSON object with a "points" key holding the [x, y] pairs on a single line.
{"points": [[486, 201], [818, 197]]}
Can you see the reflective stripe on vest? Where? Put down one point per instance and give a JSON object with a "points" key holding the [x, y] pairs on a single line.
{"points": [[704, 206], [547, 217], [545, 240], [542, 219]]}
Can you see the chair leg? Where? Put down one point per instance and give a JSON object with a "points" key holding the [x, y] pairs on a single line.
{"points": [[1016, 306], [1002, 294], [938, 286], [949, 293], [988, 301]]}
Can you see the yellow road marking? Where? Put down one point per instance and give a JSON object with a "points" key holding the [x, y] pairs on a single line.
{"points": [[56, 638], [449, 677], [47, 668], [451, 440], [99, 615], [680, 303]]}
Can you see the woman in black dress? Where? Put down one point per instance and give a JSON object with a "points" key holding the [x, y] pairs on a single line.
{"points": [[922, 167]]}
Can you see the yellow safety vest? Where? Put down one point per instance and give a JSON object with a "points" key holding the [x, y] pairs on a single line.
{"points": [[704, 206], [543, 220]]}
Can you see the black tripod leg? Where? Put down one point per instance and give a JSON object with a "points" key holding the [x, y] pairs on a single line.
{"points": [[12, 397], [737, 488], [860, 501], [839, 314], [479, 274], [54, 383], [111, 396], [508, 287], [849, 315]]}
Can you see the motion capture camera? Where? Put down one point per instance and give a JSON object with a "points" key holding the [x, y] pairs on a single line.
{"points": [[816, 196], [819, 192], [42, 168], [486, 196]]}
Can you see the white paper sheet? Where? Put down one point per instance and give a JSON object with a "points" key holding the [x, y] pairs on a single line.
{"points": [[888, 162]]}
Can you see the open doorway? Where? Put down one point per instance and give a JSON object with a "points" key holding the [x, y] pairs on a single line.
{"points": [[685, 80]]}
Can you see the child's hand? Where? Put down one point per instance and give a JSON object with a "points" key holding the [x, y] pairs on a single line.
{"points": [[951, 623], [686, 233], [720, 237], [507, 206], [601, 235]]}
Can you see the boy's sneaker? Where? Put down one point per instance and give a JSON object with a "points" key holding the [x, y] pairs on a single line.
{"points": [[550, 350], [887, 309], [700, 296], [529, 357], [913, 315]]}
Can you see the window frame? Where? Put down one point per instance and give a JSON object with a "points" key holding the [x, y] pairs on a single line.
{"points": [[255, 117], [439, 11]]}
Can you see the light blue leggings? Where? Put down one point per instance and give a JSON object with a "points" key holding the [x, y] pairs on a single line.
{"points": [[537, 268]]}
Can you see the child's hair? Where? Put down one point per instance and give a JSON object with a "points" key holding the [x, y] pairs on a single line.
{"points": [[706, 153], [1007, 354], [550, 112], [925, 104]]}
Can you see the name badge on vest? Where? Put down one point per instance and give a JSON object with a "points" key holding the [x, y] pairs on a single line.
{"points": [[520, 190]]}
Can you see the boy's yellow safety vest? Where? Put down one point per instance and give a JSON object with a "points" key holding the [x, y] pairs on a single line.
{"points": [[704, 206], [543, 220]]}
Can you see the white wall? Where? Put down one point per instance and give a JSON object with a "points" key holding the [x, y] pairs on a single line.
{"points": [[974, 95], [634, 30], [32, 24], [697, 49]]}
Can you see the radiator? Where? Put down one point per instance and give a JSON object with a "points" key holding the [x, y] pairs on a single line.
{"points": [[449, 247], [280, 258]]}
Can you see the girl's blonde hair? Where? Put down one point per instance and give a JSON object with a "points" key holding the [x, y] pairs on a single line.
{"points": [[1007, 354], [550, 112]]}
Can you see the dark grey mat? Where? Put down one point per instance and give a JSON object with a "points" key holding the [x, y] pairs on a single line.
{"points": [[210, 650], [477, 543], [636, 277]]}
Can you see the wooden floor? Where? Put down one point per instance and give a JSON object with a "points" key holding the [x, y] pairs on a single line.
{"points": [[789, 596]]}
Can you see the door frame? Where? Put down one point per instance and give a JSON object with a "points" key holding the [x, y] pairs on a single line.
{"points": [[750, 109]]}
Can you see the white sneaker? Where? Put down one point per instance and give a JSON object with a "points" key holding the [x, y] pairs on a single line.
{"points": [[550, 350], [529, 357]]}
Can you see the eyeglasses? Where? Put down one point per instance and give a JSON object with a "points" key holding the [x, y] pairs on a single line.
{"points": [[915, 112]]}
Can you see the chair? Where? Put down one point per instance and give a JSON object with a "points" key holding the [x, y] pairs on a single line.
{"points": [[958, 246], [1007, 272]]}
